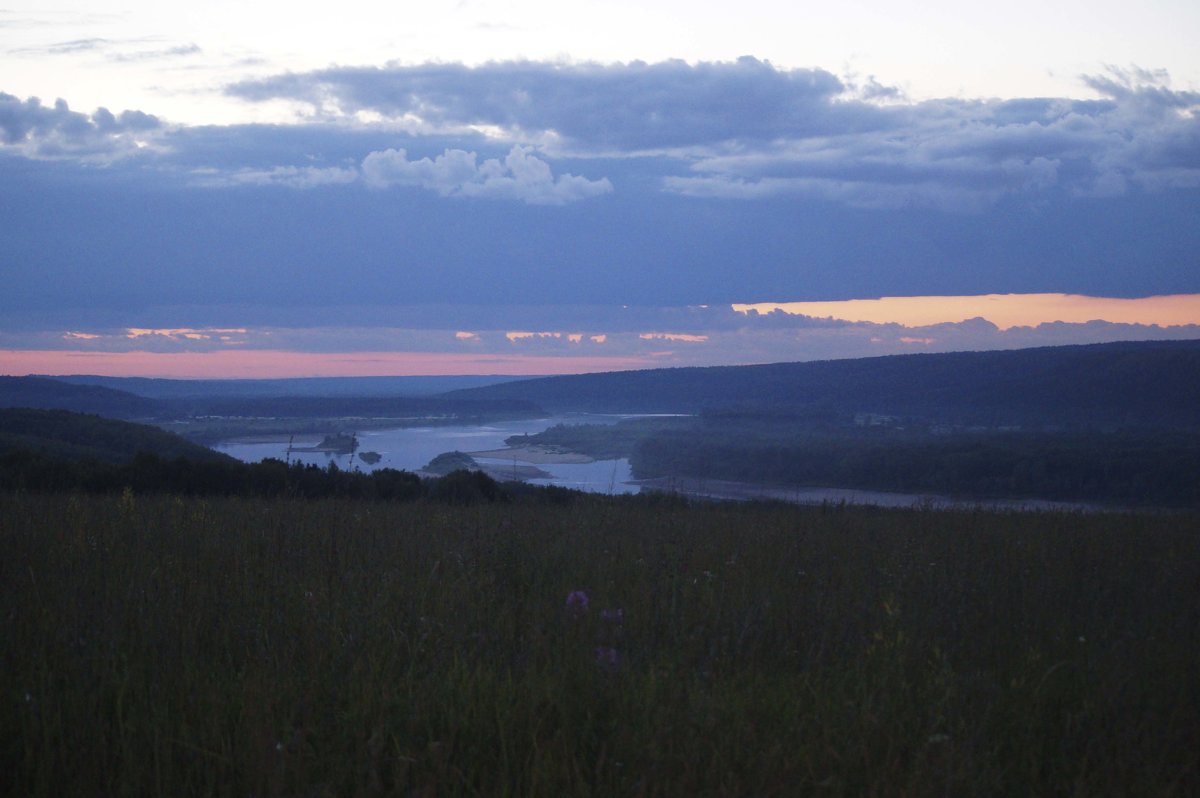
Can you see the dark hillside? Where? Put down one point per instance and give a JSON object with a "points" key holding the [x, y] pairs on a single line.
{"points": [[62, 434], [362, 407], [158, 388], [1125, 384], [49, 394], [214, 415]]}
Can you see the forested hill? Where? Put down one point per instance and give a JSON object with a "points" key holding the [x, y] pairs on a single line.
{"points": [[326, 387], [365, 407], [74, 436], [45, 393], [1133, 383]]}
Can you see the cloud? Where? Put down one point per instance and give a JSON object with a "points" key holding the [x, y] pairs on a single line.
{"points": [[1060, 194], [1149, 86], [748, 130], [177, 51], [65, 48], [298, 177], [117, 50], [632, 336], [756, 340], [959, 155], [855, 193], [521, 176], [39, 131], [455, 173], [624, 107], [1158, 129], [743, 130]]}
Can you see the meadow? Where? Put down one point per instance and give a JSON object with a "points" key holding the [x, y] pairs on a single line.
{"points": [[602, 646]]}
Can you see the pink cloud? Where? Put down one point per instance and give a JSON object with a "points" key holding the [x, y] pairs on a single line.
{"points": [[266, 364]]}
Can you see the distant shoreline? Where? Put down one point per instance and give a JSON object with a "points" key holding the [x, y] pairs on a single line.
{"points": [[253, 439], [538, 455]]}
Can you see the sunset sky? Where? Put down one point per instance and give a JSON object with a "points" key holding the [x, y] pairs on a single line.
{"points": [[268, 189]]}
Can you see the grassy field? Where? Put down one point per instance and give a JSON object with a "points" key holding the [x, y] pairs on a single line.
{"points": [[157, 645]]}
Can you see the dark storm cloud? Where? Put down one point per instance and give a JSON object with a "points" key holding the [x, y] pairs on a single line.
{"points": [[41, 131]]}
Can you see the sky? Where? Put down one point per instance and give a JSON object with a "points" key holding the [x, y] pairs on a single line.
{"points": [[268, 189]]}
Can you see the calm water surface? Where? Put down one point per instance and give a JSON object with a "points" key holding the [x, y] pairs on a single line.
{"points": [[410, 448]]}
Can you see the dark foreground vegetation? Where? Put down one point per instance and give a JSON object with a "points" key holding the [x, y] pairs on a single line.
{"points": [[148, 473], [179, 645], [53, 451]]}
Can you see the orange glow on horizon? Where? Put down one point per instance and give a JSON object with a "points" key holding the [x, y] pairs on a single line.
{"points": [[1003, 310], [531, 352], [269, 364]]}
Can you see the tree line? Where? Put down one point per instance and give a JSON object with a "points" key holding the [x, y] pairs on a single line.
{"points": [[25, 470], [1123, 469]]}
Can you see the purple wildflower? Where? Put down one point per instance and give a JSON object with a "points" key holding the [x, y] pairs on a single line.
{"points": [[577, 602], [606, 657]]}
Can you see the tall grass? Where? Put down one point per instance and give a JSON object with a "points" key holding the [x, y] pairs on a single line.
{"points": [[249, 647]]}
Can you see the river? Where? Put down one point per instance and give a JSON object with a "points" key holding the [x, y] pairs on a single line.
{"points": [[411, 448]]}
